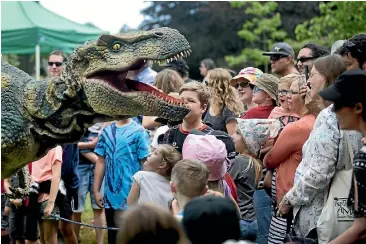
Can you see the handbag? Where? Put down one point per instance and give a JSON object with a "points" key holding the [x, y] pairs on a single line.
{"points": [[336, 217]]}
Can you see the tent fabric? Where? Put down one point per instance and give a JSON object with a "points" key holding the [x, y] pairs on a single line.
{"points": [[26, 24]]}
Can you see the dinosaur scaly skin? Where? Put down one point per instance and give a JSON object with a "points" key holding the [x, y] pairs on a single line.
{"points": [[38, 115]]}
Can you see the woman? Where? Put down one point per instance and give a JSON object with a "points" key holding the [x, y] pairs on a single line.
{"points": [[225, 105], [285, 156], [348, 95], [320, 152], [149, 224], [245, 90], [167, 81]]}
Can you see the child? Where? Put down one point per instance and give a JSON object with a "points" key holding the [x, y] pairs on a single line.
{"points": [[189, 180], [212, 152], [246, 172], [265, 95], [152, 184], [196, 96], [122, 148]]}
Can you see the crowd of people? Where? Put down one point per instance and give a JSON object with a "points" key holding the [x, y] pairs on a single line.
{"points": [[260, 158]]}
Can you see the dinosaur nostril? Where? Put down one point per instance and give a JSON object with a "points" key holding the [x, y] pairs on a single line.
{"points": [[159, 34]]}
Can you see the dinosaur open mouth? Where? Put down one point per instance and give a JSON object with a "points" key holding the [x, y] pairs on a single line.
{"points": [[119, 81]]}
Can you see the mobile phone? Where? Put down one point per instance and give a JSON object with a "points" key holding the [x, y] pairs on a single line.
{"points": [[306, 70]]}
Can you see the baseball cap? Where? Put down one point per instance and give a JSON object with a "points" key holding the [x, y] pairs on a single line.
{"points": [[222, 136], [281, 48], [211, 219], [249, 73], [208, 149], [348, 88], [336, 45]]}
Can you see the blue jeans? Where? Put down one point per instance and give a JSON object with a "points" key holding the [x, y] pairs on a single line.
{"points": [[263, 210], [248, 230]]}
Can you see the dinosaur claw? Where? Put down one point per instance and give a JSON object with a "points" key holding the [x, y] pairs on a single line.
{"points": [[17, 193]]}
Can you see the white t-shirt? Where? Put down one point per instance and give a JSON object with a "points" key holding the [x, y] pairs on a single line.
{"points": [[161, 130], [154, 188]]}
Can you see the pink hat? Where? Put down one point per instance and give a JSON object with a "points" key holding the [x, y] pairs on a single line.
{"points": [[208, 149]]}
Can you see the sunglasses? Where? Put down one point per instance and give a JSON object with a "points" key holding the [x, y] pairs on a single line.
{"points": [[58, 64], [242, 85], [304, 59], [275, 58], [256, 90], [282, 92], [293, 92]]}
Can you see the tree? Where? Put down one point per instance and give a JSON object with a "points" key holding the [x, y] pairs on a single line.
{"points": [[262, 31], [338, 20]]}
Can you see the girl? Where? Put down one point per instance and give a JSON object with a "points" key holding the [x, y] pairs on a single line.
{"points": [[152, 184], [246, 171], [225, 105]]}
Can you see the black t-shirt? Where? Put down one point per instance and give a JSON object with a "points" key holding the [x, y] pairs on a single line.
{"points": [[219, 122], [175, 136]]}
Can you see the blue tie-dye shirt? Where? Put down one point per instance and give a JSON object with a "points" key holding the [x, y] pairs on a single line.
{"points": [[122, 149]]}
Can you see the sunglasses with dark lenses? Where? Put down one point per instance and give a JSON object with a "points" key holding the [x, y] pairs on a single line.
{"points": [[256, 90], [242, 85], [58, 64], [275, 58], [304, 59]]}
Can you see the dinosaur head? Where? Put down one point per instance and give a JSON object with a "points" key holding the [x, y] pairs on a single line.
{"points": [[104, 65]]}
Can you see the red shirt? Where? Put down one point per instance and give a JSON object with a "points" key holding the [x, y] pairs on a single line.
{"points": [[259, 112], [232, 186]]}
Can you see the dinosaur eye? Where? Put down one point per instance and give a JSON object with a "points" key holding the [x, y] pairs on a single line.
{"points": [[116, 46]]}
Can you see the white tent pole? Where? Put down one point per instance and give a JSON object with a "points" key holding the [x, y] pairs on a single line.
{"points": [[38, 62]]}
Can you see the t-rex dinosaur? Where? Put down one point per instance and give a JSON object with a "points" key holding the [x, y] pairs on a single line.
{"points": [[38, 115]]}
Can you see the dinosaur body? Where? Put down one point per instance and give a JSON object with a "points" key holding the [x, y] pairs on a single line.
{"points": [[38, 115]]}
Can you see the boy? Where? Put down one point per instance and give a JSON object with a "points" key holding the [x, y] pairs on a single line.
{"points": [[122, 148], [195, 96], [188, 180]]}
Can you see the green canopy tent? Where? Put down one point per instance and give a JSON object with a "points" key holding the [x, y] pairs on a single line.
{"points": [[27, 27]]}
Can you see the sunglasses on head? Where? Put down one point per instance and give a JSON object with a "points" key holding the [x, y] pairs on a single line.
{"points": [[58, 64], [241, 84], [275, 58], [304, 59]]}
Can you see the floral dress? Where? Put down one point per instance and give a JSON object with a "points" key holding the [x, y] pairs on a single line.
{"points": [[322, 157]]}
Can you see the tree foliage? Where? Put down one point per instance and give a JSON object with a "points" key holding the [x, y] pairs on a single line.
{"points": [[262, 31], [338, 20]]}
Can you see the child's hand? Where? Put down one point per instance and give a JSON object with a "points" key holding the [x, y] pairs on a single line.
{"points": [[48, 210], [17, 202], [99, 199], [214, 193], [175, 207]]}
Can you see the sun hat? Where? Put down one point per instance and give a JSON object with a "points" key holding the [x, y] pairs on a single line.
{"points": [[256, 132], [249, 73], [268, 83], [210, 151]]}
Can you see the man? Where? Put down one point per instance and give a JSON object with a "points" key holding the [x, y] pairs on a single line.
{"points": [[181, 67], [282, 59], [70, 155], [55, 61], [353, 52], [308, 54]]}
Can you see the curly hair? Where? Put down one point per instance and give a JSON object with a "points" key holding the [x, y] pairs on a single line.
{"points": [[222, 93]]}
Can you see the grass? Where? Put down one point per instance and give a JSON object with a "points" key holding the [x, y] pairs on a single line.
{"points": [[87, 234]]}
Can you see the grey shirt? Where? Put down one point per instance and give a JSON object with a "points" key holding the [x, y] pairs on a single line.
{"points": [[244, 178], [219, 122]]}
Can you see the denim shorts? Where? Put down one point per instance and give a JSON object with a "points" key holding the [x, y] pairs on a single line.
{"points": [[86, 182], [248, 230]]}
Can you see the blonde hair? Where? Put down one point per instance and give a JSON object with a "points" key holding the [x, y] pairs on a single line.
{"points": [[190, 177], [222, 93], [170, 156], [147, 223], [168, 81], [301, 81], [288, 79], [201, 90], [217, 185]]}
